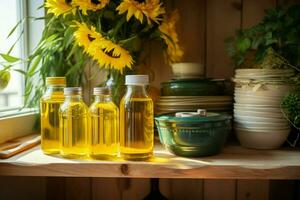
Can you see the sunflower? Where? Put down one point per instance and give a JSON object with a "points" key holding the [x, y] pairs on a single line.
{"points": [[84, 35], [60, 7], [110, 55], [151, 9], [169, 35], [93, 5]]}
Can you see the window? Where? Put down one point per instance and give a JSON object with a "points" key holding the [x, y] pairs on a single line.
{"points": [[11, 12], [13, 122]]}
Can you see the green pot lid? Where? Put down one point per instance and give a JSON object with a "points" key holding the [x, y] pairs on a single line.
{"points": [[210, 117]]}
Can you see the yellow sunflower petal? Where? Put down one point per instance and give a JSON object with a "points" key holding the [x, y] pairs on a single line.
{"points": [[110, 55], [169, 35], [151, 9], [84, 35], [93, 5], [59, 7]]}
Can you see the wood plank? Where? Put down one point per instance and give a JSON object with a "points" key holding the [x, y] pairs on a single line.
{"points": [[78, 189], [219, 189], [234, 162], [137, 189], [182, 189], [191, 29], [252, 190], [283, 189], [24, 188], [223, 18], [106, 188], [254, 11], [55, 188]]}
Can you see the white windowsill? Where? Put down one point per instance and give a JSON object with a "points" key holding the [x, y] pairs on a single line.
{"points": [[17, 125]]}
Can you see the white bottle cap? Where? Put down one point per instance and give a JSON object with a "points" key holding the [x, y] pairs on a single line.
{"points": [[136, 80]]}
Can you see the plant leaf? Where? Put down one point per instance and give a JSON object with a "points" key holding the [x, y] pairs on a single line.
{"points": [[14, 28], [21, 71], [9, 58]]}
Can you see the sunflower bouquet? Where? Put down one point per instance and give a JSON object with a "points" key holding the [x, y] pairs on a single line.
{"points": [[112, 34]]}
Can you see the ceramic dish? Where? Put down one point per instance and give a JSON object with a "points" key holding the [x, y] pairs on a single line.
{"points": [[193, 136], [193, 87], [252, 113], [259, 139], [261, 125], [187, 70], [259, 119]]}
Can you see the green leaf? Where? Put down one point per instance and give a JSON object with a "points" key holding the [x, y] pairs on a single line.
{"points": [[21, 71], [243, 44], [9, 58], [34, 65], [14, 28]]}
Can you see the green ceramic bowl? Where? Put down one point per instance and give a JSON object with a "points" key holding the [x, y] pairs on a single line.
{"points": [[193, 136], [191, 87]]}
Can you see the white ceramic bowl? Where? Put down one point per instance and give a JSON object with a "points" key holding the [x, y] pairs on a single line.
{"points": [[245, 100], [260, 125], [256, 106], [250, 112], [254, 96], [188, 69], [261, 139], [250, 118], [265, 90], [262, 72]]}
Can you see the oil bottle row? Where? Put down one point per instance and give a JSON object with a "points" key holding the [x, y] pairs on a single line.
{"points": [[70, 128]]}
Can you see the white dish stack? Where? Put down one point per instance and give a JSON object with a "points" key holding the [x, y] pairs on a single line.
{"points": [[258, 120]]}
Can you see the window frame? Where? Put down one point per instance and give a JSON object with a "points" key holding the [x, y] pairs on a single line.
{"points": [[17, 122]]}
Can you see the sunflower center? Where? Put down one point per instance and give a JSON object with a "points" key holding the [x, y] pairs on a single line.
{"points": [[110, 53], [91, 38], [68, 2], [96, 2]]}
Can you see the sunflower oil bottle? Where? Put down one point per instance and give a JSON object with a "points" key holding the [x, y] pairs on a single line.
{"points": [[136, 120], [74, 127], [49, 105], [104, 120]]}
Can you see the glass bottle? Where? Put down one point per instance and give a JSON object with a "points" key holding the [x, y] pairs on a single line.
{"points": [[104, 119], [73, 115], [49, 105], [136, 120]]}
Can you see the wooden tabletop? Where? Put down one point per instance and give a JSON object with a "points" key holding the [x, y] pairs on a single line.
{"points": [[234, 162]]}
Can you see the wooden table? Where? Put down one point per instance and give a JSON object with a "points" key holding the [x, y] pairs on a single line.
{"points": [[234, 162]]}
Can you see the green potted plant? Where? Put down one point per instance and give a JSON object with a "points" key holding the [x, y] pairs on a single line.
{"points": [[268, 54]]}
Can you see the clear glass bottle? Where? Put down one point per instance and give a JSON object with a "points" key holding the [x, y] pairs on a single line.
{"points": [[104, 119], [49, 105], [74, 126], [136, 120]]}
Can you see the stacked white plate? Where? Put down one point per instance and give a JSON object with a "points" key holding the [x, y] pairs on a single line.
{"points": [[258, 120], [169, 104]]}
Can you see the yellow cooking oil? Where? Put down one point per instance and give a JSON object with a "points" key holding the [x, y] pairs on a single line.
{"points": [[104, 119], [136, 120], [49, 109], [74, 124]]}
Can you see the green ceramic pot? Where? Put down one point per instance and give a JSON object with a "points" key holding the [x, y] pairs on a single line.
{"points": [[193, 136], [191, 87]]}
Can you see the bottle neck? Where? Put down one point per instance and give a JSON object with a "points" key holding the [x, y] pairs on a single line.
{"points": [[137, 90], [74, 97], [102, 98], [54, 89]]}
